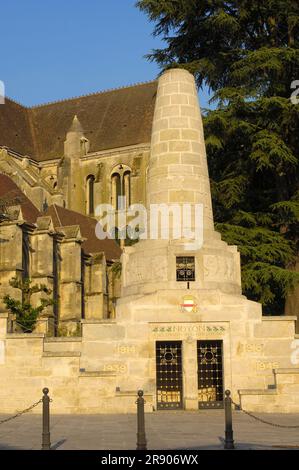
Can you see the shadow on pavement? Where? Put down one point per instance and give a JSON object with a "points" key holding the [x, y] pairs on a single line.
{"points": [[58, 444], [8, 447]]}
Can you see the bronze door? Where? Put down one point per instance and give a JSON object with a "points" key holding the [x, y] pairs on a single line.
{"points": [[210, 374], [169, 375]]}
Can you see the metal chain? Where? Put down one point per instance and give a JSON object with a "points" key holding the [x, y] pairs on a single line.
{"points": [[262, 420], [22, 412]]}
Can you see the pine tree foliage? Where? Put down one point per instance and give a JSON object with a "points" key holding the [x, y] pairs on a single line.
{"points": [[247, 53]]}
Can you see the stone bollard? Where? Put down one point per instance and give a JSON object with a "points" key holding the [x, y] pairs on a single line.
{"points": [[46, 443], [229, 440], [141, 437]]}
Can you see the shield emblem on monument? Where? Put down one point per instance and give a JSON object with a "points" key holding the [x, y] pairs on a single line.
{"points": [[189, 305]]}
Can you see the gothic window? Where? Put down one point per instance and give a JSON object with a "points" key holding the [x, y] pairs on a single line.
{"points": [[90, 194], [127, 187], [185, 268], [116, 190], [120, 186]]}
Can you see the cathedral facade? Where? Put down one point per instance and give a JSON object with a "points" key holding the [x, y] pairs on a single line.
{"points": [[176, 323], [58, 162]]}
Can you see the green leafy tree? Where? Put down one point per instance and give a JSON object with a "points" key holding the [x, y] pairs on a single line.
{"points": [[247, 53], [26, 314], [117, 269]]}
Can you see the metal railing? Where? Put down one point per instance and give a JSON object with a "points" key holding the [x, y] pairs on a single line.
{"points": [[45, 400], [141, 443], [228, 402], [141, 437]]}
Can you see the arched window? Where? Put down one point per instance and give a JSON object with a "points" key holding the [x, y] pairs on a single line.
{"points": [[120, 186], [127, 186], [115, 190], [90, 194]]}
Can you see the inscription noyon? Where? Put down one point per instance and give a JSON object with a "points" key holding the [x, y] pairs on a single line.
{"points": [[188, 330]]}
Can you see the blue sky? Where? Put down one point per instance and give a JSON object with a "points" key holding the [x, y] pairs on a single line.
{"points": [[54, 49]]}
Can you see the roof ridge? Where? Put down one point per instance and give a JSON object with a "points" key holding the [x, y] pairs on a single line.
{"points": [[107, 90], [57, 213], [16, 102], [71, 210]]}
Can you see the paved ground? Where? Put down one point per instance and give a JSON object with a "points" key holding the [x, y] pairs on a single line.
{"points": [[165, 430]]}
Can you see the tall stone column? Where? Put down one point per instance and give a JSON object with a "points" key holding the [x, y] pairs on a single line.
{"points": [[70, 288], [42, 269], [11, 236], [95, 287], [177, 185], [75, 146], [178, 171]]}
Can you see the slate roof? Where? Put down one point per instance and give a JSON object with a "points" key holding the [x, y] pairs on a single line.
{"points": [[11, 194], [64, 217], [110, 119], [15, 130]]}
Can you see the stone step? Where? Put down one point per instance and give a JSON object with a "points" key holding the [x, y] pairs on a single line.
{"points": [[275, 327], [97, 373], [62, 345], [63, 339], [61, 354], [283, 396], [262, 391]]}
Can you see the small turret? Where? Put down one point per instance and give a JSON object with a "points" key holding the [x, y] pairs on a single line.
{"points": [[76, 144], [76, 125]]}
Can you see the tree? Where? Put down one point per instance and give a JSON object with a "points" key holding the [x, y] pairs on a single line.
{"points": [[116, 269], [26, 314], [247, 53]]}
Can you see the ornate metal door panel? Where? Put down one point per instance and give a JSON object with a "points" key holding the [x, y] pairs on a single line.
{"points": [[169, 375], [210, 374]]}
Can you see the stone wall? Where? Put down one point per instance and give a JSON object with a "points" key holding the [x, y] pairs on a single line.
{"points": [[102, 371], [80, 279]]}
